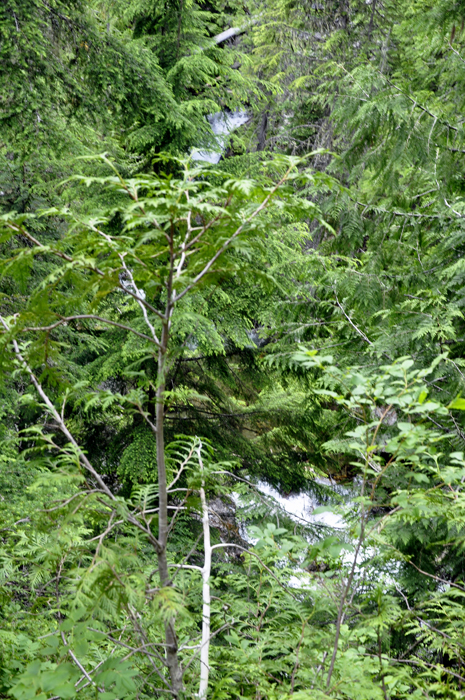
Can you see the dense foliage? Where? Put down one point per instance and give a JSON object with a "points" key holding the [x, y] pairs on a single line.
{"points": [[177, 337]]}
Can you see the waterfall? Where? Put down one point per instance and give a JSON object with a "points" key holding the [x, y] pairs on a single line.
{"points": [[222, 125]]}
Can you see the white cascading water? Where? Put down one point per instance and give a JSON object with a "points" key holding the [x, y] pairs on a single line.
{"points": [[300, 506], [222, 125]]}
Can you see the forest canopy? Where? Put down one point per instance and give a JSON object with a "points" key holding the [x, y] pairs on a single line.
{"points": [[231, 330]]}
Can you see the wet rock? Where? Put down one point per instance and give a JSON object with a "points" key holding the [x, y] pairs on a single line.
{"points": [[222, 515], [316, 567]]}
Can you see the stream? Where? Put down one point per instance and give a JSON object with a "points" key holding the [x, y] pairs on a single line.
{"points": [[298, 509], [222, 125], [331, 499], [300, 506]]}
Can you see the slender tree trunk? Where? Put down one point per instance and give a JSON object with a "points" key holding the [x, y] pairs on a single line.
{"points": [[172, 658], [262, 129], [206, 571], [372, 19], [161, 466]]}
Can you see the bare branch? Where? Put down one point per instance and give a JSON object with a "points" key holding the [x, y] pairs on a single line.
{"points": [[227, 243], [140, 300], [79, 665], [361, 333]]}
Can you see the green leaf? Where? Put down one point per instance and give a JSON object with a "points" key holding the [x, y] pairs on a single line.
{"points": [[457, 404]]}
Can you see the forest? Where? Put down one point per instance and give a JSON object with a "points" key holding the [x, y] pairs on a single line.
{"points": [[232, 392]]}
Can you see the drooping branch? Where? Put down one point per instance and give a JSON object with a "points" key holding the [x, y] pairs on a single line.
{"points": [[64, 429], [91, 317]]}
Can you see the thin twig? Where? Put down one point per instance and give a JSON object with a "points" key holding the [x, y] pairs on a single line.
{"points": [[92, 317], [361, 333]]}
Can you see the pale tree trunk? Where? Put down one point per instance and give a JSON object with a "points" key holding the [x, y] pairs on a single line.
{"points": [[206, 571]]}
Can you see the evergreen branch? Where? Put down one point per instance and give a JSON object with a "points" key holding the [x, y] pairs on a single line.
{"points": [[22, 231], [441, 633], [253, 554], [67, 258], [93, 317], [264, 499], [434, 577], [422, 663], [395, 212], [227, 243], [423, 109]]}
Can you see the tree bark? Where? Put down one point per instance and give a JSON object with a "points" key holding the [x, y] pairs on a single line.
{"points": [[206, 570], [172, 658], [262, 129]]}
